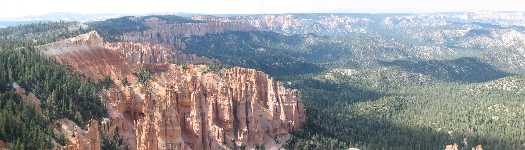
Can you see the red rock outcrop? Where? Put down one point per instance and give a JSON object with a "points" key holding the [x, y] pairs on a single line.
{"points": [[86, 54], [452, 147], [186, 108], [82, 42], [183, 107], [4, 145], [456, 147], [28, 98], [77, 138]]}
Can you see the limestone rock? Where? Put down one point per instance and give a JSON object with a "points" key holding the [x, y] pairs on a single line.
{"points": [[180, 107], [82, 42], [77, 138], [452, 147], [187, 108]]}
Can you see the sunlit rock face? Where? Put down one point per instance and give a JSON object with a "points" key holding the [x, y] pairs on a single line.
{"points": [[77, 138], [186, 108], [181, 107]]}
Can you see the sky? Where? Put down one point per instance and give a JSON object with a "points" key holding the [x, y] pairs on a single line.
{"points": [[20, 8]]}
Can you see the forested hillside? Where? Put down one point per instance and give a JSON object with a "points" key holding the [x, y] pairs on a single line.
{"points": [[390, 88], [52, 91], [368, 81]]}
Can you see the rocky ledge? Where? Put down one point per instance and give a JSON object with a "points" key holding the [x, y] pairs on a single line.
{"points": [[181, 107]]}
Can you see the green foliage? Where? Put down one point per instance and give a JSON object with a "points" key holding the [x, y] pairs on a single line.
{"points": [[62, 94], [107, 82], [462, 69], [21, 125], [111, 29], [368, 111], [273, 53], [185, 67], [260, 147], [61, 139], [39, 33], [143, 75], [341, 115], [409, 92], [125, 82], [112, 142], [216, 67]]}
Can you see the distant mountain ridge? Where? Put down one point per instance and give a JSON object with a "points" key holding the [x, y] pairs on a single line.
{"points": [[367, 81]]}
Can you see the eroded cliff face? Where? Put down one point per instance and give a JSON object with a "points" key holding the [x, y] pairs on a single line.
{"points": [[189, 109], [184, 107], [162, 32], [77, 138], [87, 55], [262, 22]]}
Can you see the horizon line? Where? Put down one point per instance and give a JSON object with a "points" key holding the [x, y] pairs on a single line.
{"points": [[266, 13]]}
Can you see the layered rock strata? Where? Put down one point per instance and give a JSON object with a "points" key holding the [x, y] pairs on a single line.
{"points": [[181, 107]]}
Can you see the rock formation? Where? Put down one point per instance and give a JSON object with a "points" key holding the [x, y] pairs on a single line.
{"points": [[180, 107], [186, 108], [82, 42], [456, 147], [452, 147], [146, 53], [263, 22], [4, 145], [86, 54], [163, 32], [77, 138], [28, 98]]}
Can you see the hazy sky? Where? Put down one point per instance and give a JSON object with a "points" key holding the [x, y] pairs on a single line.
{"points": [[17, 8]]}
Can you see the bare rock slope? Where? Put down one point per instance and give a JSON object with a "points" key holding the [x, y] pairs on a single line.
{"points": [[182, 107]]}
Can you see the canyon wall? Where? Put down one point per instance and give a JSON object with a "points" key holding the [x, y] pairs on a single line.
{"points": [[161, 31], [181, 107], [187, 108], [147, 53]]}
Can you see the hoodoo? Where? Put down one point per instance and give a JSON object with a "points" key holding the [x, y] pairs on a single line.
{"points": [[181, 107]]}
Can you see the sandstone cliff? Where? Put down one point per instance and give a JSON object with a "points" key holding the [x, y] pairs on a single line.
{"points": [[77, 138], [82, 42], [186, 108], [161, 31], [86, 54], [181, 107], [169, 33]]}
